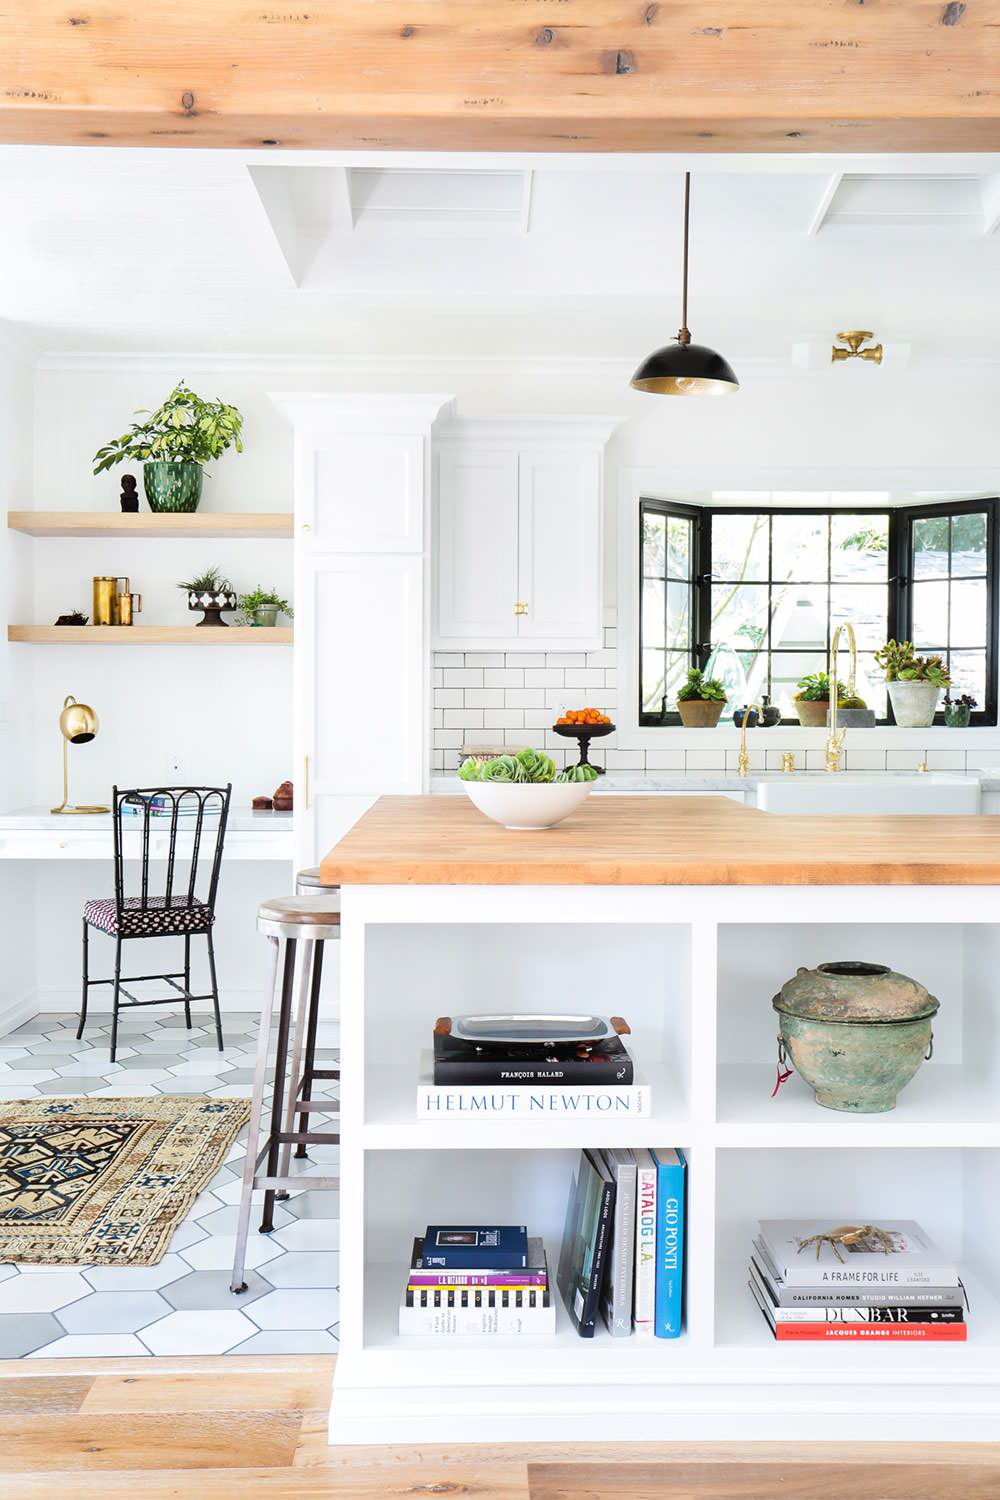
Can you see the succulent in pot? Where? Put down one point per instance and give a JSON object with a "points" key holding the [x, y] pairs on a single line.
{"points": [[701, 700], [812, 699], [914, 682], [173, 443], [211, 593], [263, 606], [958, 711]]}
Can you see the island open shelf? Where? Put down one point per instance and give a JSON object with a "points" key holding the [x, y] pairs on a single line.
{"points": [[693, 965]]}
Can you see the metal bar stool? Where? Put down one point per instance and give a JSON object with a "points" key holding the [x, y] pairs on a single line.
{"points": [[309, 920], [308, 883]]}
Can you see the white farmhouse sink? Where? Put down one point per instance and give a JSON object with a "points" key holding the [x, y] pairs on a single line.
{"points": [[843, 792]]}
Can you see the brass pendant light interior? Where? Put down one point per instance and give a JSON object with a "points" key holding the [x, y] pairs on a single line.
{"points": [[684, 368]]}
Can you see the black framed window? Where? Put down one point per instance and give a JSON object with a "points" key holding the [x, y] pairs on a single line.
{"points": [[754, 595]]}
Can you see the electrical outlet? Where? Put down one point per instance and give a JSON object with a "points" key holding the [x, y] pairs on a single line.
{"points": [[173, 770]]}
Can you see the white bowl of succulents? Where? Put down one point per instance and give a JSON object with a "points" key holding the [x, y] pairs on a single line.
{"points": [[526, 790]]}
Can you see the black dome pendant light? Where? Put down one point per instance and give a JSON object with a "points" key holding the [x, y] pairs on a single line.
{"points": [[683, 368]]}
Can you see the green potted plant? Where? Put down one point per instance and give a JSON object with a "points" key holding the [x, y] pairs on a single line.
{"points": [[173, 443], [812, 699], [914, 682], [958, 711], [263, 606], [852, 710], [701, 700], [210, 592]]}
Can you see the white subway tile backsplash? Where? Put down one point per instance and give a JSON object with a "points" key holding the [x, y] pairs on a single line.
{"points": [[491, 697], [946, 760], [565, 697], [450, 697], [605, 658], [503, 677], [507, 718], [543, 677], [758, 760], [438, 677], [664, 760], [864, 760], [447, 739], [566, 658], [437, 760], [451, 760], [464, 718], [463, 677], [706, 760], [904, 760], [439, 718], [525, 697], [537, 718], [625, 760], [591, 678], [525, 659], [610, 635], [477, 737], [484, 659], [449, 658]]}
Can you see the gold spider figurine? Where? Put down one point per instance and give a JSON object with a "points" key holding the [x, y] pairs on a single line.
{"points": [[868, 1236]]}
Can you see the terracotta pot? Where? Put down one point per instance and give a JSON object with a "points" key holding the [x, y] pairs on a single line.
{"points": [[700, 713], [812, 712]]}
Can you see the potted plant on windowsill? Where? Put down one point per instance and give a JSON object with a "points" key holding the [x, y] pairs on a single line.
{"points": [[812, 700], [701, 700], [915, 683], [852, 711], [263, 606], [958, 711], [173, 443]]}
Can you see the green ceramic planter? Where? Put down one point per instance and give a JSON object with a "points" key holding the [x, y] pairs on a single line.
{"points": [[172, 486], [856, 1032]]}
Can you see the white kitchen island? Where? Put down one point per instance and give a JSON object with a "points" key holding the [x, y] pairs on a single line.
{"points": [[685, 916]]}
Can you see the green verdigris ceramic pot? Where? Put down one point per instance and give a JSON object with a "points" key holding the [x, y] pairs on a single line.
{"points": [[172, 486], [856, 1032]]}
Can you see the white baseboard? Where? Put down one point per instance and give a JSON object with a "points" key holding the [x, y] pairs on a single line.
{"points": [[15, 1012]]}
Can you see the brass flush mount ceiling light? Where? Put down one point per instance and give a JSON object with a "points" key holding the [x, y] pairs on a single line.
{"points": [[854, 339], [683, 368]]}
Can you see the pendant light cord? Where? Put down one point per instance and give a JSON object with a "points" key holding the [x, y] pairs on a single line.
{"points": [[684, 333]]}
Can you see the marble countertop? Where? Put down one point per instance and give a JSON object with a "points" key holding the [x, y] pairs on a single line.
{"points": [[728, 781], [241, 820]]}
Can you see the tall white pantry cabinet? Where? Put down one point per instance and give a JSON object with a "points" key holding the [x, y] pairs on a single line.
{"points": [[361, 659]]}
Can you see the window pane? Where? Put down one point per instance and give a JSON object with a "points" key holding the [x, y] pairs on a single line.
{"points": [[871, 684], [677, 665], [739, 615], [652, 613], [968, 675], [739, 547], [799, 617], [653, 680], [930, 546], [799, 546], [865, 606], [968, 544], [730, 668], [930, 615], [654, 547], [786, 669], [679, 531], [859, 547], [678, 617], [968, 613]]}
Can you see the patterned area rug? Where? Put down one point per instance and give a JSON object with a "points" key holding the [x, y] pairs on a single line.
{"points": [[105, 1182]]}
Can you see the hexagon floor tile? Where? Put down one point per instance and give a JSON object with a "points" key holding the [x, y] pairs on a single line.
{"points": [[183, 1305]]}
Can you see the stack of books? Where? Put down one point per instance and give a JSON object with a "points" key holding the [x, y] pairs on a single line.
{"points": [[830, 1279], [530, 1066], [477, 1279], [623, 1246]]}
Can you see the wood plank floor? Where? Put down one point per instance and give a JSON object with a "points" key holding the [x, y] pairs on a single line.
{"points": [[212, 1429]]}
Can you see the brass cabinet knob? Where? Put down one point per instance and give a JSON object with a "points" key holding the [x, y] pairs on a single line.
{"points": [[520, 608]]}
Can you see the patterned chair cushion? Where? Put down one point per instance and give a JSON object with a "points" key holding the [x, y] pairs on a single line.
{"points": [[157, 920]]}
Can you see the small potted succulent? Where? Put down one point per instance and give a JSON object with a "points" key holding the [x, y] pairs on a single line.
{"points": [[701, 700], [812, 700], [852, 710], [212, 593], [958, 711], [173, 443], [915, 683], [263, 606]]}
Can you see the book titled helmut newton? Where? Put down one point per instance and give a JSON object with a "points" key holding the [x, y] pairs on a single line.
{"points": [[530, 1100], [809, 1252]]}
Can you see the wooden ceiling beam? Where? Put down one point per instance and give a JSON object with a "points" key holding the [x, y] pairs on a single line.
{"points": [[544, 75]]}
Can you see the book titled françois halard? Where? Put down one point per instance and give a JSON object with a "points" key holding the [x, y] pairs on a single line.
{"points": [[808, 1252]]}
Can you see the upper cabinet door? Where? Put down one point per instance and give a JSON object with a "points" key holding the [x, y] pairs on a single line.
{"points": [[559, 552], [364, 492], [476, 546]]}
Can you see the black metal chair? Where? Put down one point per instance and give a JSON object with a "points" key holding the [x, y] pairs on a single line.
{"points": [[185, 913]]}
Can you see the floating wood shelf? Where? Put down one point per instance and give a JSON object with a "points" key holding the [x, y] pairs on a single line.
{"points": [[151, 635], [148, 523]]}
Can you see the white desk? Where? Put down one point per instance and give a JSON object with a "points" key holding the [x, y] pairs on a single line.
{"points": [[37, 833]]}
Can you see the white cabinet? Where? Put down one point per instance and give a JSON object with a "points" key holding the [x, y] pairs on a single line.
{"points": [[517, 538]]}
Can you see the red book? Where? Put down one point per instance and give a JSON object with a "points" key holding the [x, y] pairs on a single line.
{"points": [[937, 1333]]}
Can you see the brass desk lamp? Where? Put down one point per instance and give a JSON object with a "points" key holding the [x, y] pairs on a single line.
{"points": [[78, 725]]}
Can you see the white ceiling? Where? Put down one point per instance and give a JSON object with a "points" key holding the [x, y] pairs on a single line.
{"points": [[342, 254]]}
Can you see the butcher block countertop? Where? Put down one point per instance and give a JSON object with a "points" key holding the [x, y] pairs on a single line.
{"points": [[659, 841]]}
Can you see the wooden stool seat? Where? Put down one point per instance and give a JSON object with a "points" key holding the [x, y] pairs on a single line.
{"points": [[311, 879], [313, 917]]}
